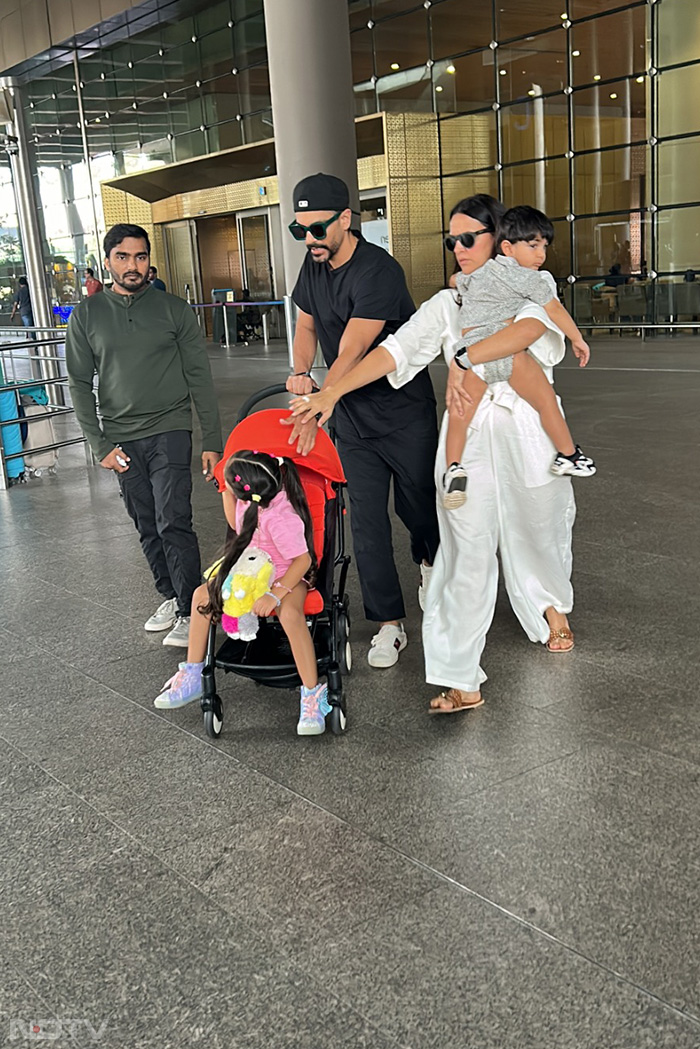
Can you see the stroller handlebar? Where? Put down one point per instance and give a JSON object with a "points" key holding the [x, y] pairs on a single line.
{"points": [[255, 398]]}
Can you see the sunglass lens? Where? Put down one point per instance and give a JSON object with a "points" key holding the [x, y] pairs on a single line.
{"points": [[317, 230], [450, 243], [297, 231]]}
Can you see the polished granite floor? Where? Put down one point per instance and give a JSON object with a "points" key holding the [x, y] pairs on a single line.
{"points": [[525, 876]]}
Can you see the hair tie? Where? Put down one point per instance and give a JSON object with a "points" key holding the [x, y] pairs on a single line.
{"points": [[246, 487], [255, 498], [237, 477], [280, 460]]}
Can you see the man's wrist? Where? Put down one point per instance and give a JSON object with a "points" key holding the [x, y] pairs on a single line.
{"points": [[295, 374]]}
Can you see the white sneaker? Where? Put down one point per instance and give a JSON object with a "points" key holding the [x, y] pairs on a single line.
{"points": [[386, 645], [425, 573], [454, 487], [164, 616], [179, 636]]}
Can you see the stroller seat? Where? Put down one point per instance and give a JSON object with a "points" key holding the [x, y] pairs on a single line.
{"points": [[268, 658]]}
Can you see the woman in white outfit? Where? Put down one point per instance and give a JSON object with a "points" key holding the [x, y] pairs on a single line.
{"points": [[514, 505]]}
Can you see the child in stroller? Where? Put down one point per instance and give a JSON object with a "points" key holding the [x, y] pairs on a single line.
{"points": [[266, 507]]}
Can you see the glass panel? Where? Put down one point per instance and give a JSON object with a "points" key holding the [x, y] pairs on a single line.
{"points": [[258, 126], [678, 164], [545, 185], [609, 241], [402, 41], [610, 114], [678, 239], [536, 64], [182, 271], [468, 83], [362, 55], [610, 47], [678, 111], [243, 8], [216, 16], [360, 13], [520, 17], [453, 32], [678, 31], [539, 127], [256, 253], [617, 180], [468, 142], [225, 136], [192, 144], [221, 101], [559, 252], [385, 8], [216, 54], [457, 187], [249, 41], [584, 8], [254, 89], [409, 89]]}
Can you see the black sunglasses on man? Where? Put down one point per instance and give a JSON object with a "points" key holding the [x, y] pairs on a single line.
{"points": [[316, 229]]}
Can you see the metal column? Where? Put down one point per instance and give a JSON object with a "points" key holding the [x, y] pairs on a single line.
{"points": [[313, 106]]}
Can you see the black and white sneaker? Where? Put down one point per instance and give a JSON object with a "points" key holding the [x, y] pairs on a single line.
{"points": [[455, 487], [576, 465]]}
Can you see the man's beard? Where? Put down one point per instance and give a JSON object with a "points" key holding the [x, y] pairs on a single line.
{"points": [[322, 247], [130, 286]]}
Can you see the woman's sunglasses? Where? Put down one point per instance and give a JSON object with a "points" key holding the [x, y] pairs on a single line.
{"points": [[316, 229], [467, 240]]}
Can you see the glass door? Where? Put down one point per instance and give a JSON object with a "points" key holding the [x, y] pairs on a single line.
{"points": [[180, 240], [256, 261]]}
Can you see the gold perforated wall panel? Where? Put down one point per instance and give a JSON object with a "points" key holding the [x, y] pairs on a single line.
{"points": [[123, 207], [414, 199]]}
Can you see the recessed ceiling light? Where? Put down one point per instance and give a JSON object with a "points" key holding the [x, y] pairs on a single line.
{"points": [[597, 76], [395, 65], [503, 72], [531, 92], [640, 79], [613, 95], [438, 88], [563, 15], [575, 54], [451, 69]]}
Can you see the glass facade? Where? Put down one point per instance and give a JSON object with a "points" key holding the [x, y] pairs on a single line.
{"points": [[584, 108]]}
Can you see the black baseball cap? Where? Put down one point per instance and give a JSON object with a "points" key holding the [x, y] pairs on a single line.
{"points": [[321, 193]]}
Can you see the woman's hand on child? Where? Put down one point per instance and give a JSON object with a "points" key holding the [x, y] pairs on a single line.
{"points": [[265, 605], [321, 404], [583, 351]]}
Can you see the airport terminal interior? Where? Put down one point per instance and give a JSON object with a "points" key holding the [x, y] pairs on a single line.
{"points": [[520, 876]]}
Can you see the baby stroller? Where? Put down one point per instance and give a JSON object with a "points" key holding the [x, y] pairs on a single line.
{"points": [[268, 659]]}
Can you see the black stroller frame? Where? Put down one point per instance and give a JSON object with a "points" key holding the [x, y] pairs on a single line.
{"points": [[267, 659]]}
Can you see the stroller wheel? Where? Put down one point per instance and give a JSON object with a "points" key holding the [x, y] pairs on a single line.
{"points": [[214, 719], [344, 648], [337, 720]]}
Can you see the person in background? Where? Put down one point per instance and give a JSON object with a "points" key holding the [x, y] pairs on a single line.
{"points": [[151, 363], [22, 303], [92, 284], [689, 276], [155, 280]]}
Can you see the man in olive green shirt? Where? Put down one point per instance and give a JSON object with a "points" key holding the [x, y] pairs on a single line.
{"points": [[151, 362]]}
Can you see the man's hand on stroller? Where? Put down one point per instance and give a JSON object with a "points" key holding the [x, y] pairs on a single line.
{"points": [[303, 433]]}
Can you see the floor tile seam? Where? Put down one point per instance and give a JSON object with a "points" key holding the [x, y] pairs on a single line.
{"points": [[628, 671], [607, 734], [288, 958], [39, 996], [558, 941]]}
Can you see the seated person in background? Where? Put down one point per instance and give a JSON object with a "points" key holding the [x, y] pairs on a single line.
{"points": [[490, 299], [615, 277], [249, 320]]}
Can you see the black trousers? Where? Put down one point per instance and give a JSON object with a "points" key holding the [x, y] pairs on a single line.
{"points": [[157, 491], [407, 457]]}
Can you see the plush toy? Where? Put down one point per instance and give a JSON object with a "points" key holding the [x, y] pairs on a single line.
{"points": [[248, 580]]}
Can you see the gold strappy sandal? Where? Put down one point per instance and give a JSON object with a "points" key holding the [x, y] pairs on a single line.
{"points": [[563, 634], [455, 697]]}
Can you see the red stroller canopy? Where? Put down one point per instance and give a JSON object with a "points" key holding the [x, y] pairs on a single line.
{"points": [[263, 431]]}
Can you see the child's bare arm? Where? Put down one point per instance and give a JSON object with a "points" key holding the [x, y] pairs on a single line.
{"points": [[565, 322]]}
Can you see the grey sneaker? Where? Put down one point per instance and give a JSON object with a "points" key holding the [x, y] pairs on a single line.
{"points": [[179, 636], [164, 616]]}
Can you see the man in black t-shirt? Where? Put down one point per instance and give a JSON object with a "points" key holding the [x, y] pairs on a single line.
{"points": [[350, 295]]}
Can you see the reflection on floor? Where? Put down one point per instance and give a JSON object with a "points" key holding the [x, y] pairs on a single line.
{"points": [[524, 876]]}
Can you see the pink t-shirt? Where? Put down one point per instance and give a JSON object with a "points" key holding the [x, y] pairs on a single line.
{"points": [[280, 532]]}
